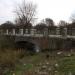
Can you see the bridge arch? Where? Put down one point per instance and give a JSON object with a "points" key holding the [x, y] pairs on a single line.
{"points": [[28, 45]]}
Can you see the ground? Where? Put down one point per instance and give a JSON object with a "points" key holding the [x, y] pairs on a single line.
{"points": [[46, 63]]}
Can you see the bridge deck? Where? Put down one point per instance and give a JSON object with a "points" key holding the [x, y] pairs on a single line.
{"points": [[41, 35]]}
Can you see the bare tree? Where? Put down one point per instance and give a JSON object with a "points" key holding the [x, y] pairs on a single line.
{"points": [[25, 13]]}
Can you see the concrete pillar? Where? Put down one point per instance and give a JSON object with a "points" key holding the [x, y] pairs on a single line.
{"points": [[46, 32], [7, 32], [73, 31], [21, 31], [57, 31], [65, 31], [32, 31], [13, 32], [26, 31]]}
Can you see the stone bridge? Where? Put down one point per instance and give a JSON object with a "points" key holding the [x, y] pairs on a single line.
{"points": [[38, 41]]}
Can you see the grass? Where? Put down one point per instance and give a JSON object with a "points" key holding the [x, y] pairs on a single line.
{"points": [[24, 63], [8, 61], [29, 63], [66, 63]]}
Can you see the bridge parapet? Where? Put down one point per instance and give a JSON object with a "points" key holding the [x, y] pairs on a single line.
{"points": [[36, 37], [36, 33]]}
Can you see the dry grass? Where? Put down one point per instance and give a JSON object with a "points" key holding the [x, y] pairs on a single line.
{"points": [[9, 59]]}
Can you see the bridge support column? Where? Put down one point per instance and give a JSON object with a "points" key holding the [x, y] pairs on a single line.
{"points": [[7, 32], [57, 31], [26, 31], [46, 32], [65, 31], [21, 31], [33, 31], [13, 32]]}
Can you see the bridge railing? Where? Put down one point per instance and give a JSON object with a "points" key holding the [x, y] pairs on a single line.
{"points": [[27, 31], [35, 32]]}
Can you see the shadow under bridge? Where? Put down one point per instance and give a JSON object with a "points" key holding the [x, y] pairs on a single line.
{"points": [[27, 45]]}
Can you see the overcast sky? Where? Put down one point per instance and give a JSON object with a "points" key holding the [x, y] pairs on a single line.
{"points": [[54, 9]]}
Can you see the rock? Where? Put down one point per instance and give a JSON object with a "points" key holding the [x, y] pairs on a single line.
{"points": [[24, 64], [56, 71], [59, 52], [69, 55], [44, 67], [70, 73], [47, 63], [56, 65], [13, 73]]}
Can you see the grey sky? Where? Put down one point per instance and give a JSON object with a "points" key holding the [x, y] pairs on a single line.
{"points": [[55, 9]]}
